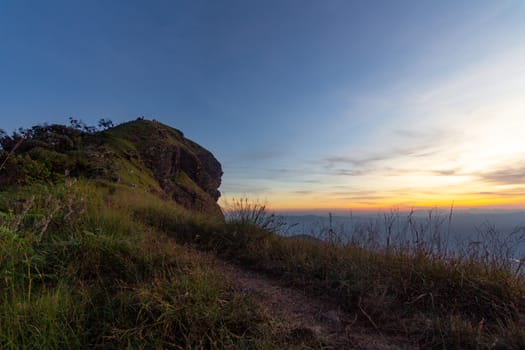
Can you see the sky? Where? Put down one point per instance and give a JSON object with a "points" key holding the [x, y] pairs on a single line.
{"points": [[308, 105]]}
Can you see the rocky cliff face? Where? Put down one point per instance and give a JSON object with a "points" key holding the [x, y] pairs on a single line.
{"points": [[143, 154], [186, 172]]}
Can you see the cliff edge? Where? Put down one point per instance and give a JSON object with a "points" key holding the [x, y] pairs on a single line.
{"points": [[143, 154], [184, 170]]}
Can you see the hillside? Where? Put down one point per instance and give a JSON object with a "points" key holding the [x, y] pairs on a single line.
{"points": [[142, 154], [113, 239], [85, 255]]}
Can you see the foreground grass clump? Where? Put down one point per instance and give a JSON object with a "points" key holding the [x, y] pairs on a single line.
{"points": [[79, 271], [436, 301]]}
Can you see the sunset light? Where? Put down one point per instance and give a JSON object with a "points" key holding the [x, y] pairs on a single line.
{"points": [[344, 106], [262, 174]]}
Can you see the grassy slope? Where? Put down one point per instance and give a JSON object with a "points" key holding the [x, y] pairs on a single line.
{"points": [[128, 138], [92, 265], [113, 155], [80, 270], [435, 302], [88, 264]]}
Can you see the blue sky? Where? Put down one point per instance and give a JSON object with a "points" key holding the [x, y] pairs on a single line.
{"points": [[307, 104]]}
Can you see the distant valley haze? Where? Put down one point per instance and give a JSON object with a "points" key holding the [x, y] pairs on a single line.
{"points": [[454, 230], [310, 106]]}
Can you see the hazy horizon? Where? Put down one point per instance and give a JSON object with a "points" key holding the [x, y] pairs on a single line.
{"points": [[380, 211], [460, 230]]}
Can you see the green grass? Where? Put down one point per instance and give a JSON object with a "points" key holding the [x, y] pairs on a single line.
{"points": [[95, 276], [435, 301], [96, 264]]}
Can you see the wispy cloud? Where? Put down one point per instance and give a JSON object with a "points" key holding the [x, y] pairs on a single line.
{"points": [[303, 192], [511, 193], [447, 172], [258, 155], [456, 137], [361, 162], [505, 176]]}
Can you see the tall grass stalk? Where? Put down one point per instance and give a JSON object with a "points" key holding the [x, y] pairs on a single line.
{"points": [[405, 280]]}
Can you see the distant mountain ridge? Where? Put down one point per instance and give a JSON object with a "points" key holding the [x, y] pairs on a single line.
{"points": [[142, 154]]}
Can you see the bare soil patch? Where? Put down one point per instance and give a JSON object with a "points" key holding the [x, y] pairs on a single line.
{"points": [[309, 316]]}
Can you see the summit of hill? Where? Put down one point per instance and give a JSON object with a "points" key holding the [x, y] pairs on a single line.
{"points": [[143, 154]]}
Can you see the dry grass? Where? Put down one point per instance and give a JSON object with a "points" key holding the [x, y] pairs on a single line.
{"points": [[98, 278], [86, 265], [437, 297]]}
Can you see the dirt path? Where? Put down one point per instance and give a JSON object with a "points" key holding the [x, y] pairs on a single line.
{"points": [[308, 315]]}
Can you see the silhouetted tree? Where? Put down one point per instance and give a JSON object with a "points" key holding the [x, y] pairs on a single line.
{"points": [[3, 136], [89, 129], [8, 142], [105, 124], [76, 124], [80, 125]]}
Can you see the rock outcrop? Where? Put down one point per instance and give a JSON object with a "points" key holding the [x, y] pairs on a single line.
{"points": [[142, 154], [186, 172]]}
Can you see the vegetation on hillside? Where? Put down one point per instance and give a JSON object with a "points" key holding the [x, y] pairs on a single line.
{"points": [[89, 262], [437, 301], [141, 154], [80, 269]]}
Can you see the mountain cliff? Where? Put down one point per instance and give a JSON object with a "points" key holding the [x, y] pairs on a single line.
{"points": [[141, 154]]}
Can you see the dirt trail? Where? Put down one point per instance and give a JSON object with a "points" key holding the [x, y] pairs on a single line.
{"points": [[307, 314]]}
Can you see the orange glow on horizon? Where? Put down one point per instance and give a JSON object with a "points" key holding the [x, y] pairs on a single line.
{"points": [[467, 202]]}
